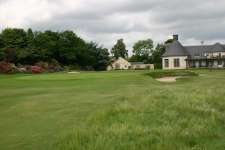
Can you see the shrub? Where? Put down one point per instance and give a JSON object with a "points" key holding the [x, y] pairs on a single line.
{"points": [[158, 66], [36, 69], [54, 66], [43, 65], [6, 67], [22, 69]]}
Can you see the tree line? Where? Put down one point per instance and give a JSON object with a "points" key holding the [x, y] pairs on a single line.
{"points": [[26, 47]]}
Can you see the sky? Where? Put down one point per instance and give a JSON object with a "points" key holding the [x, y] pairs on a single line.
{"points": [[105, 21]]}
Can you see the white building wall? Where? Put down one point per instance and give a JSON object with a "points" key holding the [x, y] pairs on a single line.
{"points": [[120, 63], [183, 62], [143, 66], [214, 54]]}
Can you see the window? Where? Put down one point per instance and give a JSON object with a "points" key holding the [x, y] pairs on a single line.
{"points": [[166, 63], [177, 62]]}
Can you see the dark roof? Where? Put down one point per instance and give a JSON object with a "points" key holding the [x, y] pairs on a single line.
{"points": [[175, 49], [192, 51], [136, 63], [198, 50], [218, 48]]}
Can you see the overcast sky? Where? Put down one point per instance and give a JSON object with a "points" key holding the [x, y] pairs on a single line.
{"points": [[104, 21]]}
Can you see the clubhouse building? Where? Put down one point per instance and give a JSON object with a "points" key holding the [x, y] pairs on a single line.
{"points": [[178, 56]]}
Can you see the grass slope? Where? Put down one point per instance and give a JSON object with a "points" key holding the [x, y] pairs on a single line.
{"points": [[113, 111]]}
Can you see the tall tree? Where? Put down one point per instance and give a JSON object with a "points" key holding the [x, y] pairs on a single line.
{"points": [[143, 48], [119, 49], [158, 52], [142, 51], [1, 42], [70, 45], [169, 41], [10, 55], [46, 45], [30, 38], [101, 56], [14, 38], [1, 48]]}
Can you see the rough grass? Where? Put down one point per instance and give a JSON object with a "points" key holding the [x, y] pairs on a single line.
{"points": [[112, 111]]}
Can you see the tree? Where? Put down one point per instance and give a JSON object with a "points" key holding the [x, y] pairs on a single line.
{"points": [[46, 44], [1, 48], [14, 38], [158, 52], [143, 48], [30, 38], [101, 56], [169, 41], [10, 55], [1, 42], [142, 51], [119, 49], [70, 46]]}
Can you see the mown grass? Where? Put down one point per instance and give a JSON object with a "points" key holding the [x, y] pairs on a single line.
{"points": [[113, 111]]}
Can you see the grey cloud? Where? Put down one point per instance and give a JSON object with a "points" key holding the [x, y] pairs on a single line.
{"points": [[200, 20]]}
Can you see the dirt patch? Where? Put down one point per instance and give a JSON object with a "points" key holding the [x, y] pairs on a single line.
{"points": [[168, 79]]}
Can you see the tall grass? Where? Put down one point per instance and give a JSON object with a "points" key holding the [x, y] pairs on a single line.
{"points": [[170, 117]]}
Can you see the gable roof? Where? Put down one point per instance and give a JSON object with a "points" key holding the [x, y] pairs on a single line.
{"points": [[120, 59], [174, 49], [218, 48]]}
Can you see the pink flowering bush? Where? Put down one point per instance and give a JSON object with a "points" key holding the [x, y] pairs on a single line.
{"points": [[36, 69]]}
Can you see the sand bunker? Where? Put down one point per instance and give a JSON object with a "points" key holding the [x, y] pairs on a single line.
{"points": [[73, 72], [168, 79]]}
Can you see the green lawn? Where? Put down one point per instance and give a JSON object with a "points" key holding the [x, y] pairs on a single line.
{"points": [[112, 111]]}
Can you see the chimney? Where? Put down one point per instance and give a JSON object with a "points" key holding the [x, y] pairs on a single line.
{"points": [[175, 37]]}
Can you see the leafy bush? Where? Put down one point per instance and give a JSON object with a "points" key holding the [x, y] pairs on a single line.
{"points": [[158, 66], [22, 69], [54, 66], [51, 66], [6, 67], [43, 65], [36, 69], [161, 74]]}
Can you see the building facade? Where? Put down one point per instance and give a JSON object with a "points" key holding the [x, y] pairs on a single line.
{"points": [[123, 64], [119, 64], [178, 56]]}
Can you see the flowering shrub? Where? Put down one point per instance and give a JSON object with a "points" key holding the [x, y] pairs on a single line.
{"points": [[22, 69], [36, 69], [6, 67], [43, 65]]}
